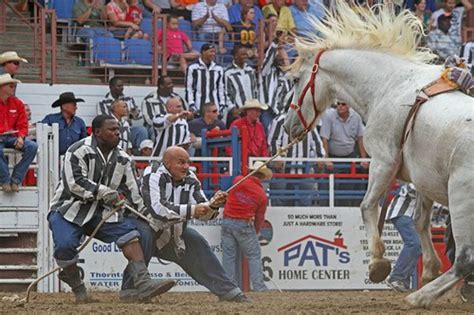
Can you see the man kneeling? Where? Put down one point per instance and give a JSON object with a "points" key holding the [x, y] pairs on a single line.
{"points": [[95, 170]]}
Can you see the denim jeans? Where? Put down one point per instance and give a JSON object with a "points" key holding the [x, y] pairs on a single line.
{"points": [[88, 33], [19, 171], [239, 234], [198, 261], [406, 262], [138, 134]]}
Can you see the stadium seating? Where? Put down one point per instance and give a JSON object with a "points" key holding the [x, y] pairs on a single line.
{"points": [[138, 51], [107, 50], [63, 8], [147, 26]]}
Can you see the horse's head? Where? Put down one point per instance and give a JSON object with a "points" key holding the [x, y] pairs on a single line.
{"points": [[309, 93]]}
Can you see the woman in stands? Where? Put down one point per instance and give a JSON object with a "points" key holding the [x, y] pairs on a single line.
{"points": [[117, 14]]}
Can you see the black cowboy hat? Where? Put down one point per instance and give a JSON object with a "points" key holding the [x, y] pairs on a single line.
{"points": [[66, 97]]}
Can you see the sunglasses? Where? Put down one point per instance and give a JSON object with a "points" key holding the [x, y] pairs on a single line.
{"points": [[341, 104], [16, 63]]}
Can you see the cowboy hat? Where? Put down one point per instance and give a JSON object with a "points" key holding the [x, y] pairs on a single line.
{"points": [[11, 56], [254, 104], [66, 97], [7, 78], [264, 170]]}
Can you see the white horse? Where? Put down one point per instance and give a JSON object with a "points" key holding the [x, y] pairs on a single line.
{"points": [[371, 62]]}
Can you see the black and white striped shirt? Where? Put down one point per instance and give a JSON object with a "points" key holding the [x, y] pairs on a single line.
{"points": [[269, 75], [124, 128], [204, 85], [103, 107], [404, 203], [241, 85], [154, 104], [169, 133], [172, 203], [467, 52], [311, 146], [283, 94], [86, 177]]}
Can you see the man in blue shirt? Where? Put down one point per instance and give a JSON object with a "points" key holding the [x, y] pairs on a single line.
{"points": [[71, 127], [302, 11], [235, 12]]}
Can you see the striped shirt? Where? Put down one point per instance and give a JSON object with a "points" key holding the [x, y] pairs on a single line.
{"points": [[241, 85], [204, 85], [467, 52], [154, 104], [124, 129], [210, 26], [311, 146], [404, 203], [86, 177], [169, 133], [269, 75], [103, 107], [280, 99], [171, 202]]}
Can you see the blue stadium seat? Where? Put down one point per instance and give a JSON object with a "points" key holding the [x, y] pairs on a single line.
{"points": [[147, 26], [186, 27], [197, 44], [107, 49], [138, 51], [63, 8]]}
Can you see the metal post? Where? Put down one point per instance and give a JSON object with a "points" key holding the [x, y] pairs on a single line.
{"points": [[3, 17], [154, 47], [331, 190], [164, 50], [53, 45], [42, 35]]}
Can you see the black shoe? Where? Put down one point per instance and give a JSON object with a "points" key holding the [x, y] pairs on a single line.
{"points": [[239, 298]]}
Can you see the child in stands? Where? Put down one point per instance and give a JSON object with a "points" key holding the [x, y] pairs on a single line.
{"points": [[134, 15], [178, 44]]}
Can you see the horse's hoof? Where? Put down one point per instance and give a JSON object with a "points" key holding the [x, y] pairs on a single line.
{"points": [[379, 270]]}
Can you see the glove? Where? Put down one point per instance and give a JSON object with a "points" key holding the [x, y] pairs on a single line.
{"points": [[110, 198], [219, 199], [155, 224]]}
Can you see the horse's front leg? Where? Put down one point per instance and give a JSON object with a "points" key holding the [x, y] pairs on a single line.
{"points": [[379, 181]]}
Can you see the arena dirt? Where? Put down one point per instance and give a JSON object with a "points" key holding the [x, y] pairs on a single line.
{"points": [[321, 302]]}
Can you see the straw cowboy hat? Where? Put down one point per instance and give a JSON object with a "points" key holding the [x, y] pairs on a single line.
{"points": [[66, 97], [265, 171], [7, 78], [11, 56], [254, 104]]}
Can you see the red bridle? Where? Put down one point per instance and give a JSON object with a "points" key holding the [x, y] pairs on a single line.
{"points": [[309, 86]]}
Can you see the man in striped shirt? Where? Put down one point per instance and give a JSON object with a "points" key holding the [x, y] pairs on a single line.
{"points": [[240, 80], [95, 171], [119, 111], [173, 196], [205, 81], [400, 213], [171, 128]]}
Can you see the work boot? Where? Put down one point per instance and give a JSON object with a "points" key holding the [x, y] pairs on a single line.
{"points": [[15, 187], [72, 277], [146, 288], [7, 188]]}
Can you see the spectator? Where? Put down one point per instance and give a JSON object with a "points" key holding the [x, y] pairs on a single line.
{"points": [[441, 41], [119, 111], [240, 80], [212, 21], [456, 14], [146, 148], [235, 12], [232, 114], [467, 53], [71, 127], [171, 128], [149, 7], [90, 14], [13, 132], [400, 213], [246, 33], [183, 8], [421, 13], [302, 12], [285, 19], [137, 133], [10, 63], [31, 125], [134, 15], [209, 121], [178, 44], [430, 5], [244, 215], [205, 81], [155, 103], [121, 28], [172, 193], [257, 142]]}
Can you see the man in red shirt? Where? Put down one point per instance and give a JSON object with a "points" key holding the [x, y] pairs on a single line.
{"points": [[13, 130], [257, 142], [244, 214]]}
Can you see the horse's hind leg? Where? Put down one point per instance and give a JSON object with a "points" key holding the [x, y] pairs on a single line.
{"points": [[461, 207], [431, 262], [379, 180]]}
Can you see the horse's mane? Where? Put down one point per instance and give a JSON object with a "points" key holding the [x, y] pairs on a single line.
{"points": [[378, 28]]}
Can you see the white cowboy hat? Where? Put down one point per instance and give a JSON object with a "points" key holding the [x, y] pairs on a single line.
{"points": [[254, 104], [264, 170], [11, 56], [7, 78]]}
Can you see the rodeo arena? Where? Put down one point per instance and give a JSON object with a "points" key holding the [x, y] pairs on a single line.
{"points": [[236, 156]]}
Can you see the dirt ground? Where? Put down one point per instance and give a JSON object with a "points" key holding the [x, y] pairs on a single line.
{"points": [[321, 302]]}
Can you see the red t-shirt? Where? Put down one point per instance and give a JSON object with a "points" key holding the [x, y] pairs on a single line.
{"points": [[134, 14], [175, 40], [247, 201], [257, 142], [13, 117]]}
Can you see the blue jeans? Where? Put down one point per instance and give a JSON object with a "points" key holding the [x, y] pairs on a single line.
{"points": [[406, 262], [198, 261], [19, 171], [138, 134], [239, 234], [88, 33], [67, 236]]}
